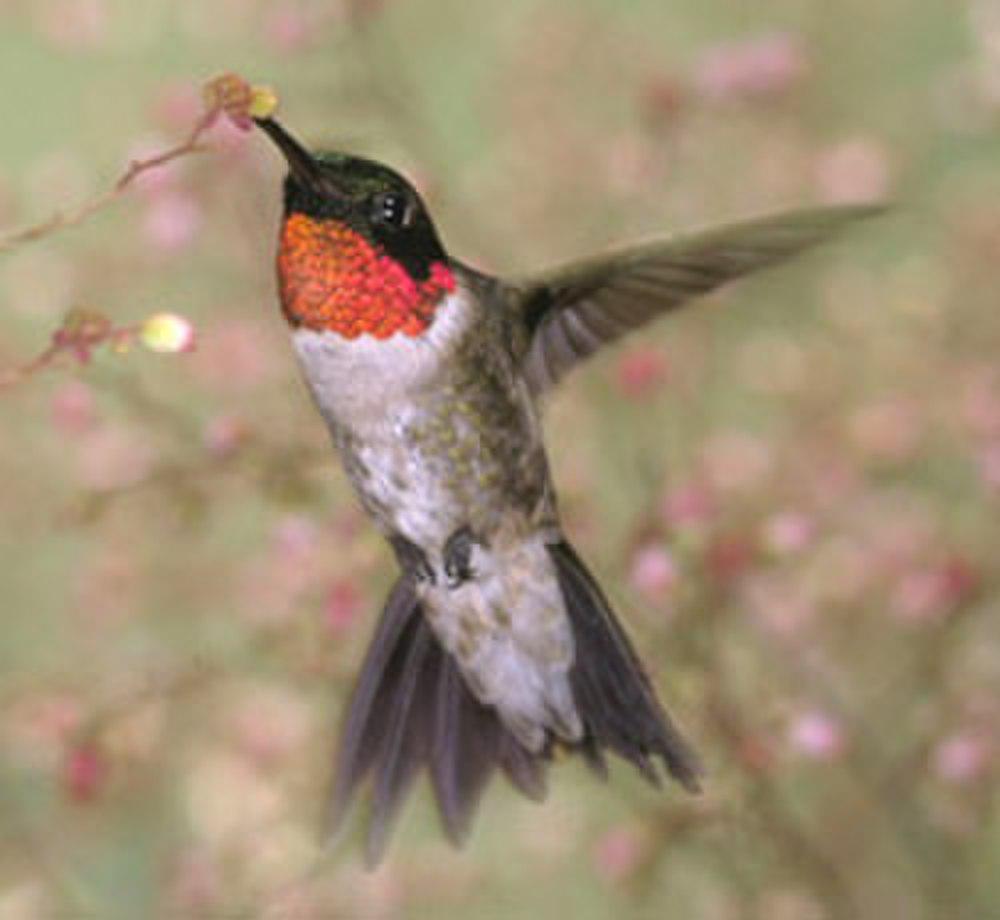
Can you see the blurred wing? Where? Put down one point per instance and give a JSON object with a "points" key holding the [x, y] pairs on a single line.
{"points": [[571, 312]]}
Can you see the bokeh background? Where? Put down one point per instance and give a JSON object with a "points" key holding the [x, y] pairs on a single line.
{"points": [[791, 490]]}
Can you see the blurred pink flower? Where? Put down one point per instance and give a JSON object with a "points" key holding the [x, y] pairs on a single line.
{"points": [[653, 571], [172, 222], [817, 735], [728, 557], [85, 772], [344, 604], [224, 435], [856, 170], [37, 728], [755, 753], [177, 106], [931, 592], [762, 67], [641, 371], [618, 853], [662, 100], [73, 410], [789, 532], [228, 138], [962, 757], [294, 536], [690, 505]]}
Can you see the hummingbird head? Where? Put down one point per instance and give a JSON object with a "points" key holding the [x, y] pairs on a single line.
{"points": [[358, 252]]}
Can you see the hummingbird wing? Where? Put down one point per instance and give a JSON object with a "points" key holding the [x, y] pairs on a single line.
{"points": [[573, 311]]}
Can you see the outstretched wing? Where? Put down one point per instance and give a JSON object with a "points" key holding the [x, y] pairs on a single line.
{"points": [[571, 312]]}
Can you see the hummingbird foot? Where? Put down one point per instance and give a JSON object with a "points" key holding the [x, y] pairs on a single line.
{"points": [[458, 557], [413, 560]]}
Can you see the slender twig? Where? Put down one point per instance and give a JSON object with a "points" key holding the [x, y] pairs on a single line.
{"points": [[71, 218]]}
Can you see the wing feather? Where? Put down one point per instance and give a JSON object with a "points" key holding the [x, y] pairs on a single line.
{"points": [[572, 312]]}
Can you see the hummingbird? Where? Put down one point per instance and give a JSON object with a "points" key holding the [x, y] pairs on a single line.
{"points": [[496, 649]]}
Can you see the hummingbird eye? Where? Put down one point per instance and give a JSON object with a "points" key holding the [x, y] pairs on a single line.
{"points": [[391, 210]]}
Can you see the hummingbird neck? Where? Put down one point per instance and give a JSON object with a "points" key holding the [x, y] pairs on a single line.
{"points": [[333, 279]]}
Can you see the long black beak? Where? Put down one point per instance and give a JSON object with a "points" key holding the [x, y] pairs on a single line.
{"points": [[301, 163]]}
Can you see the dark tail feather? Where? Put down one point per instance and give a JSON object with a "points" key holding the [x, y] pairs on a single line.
{"points": [[612, 691], [412, 709]]}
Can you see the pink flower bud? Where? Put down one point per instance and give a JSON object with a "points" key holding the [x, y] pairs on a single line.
{"points": [[84, 772], [817, 735]]}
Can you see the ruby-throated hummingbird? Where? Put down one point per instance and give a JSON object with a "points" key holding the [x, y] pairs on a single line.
{"points": [[496, 647]]}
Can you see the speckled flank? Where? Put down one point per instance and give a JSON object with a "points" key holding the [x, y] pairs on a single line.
{"points": [[332, 279]]}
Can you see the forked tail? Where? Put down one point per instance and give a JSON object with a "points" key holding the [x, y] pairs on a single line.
{"points": [[412, 709]]}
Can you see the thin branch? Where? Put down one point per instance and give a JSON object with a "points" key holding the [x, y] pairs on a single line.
{"points": [[64, 219]]}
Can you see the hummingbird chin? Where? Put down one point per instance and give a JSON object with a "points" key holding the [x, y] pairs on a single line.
{"points": [[496, 646]]}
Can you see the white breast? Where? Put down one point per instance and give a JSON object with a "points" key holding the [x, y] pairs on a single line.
{"points": [[352, 379]]}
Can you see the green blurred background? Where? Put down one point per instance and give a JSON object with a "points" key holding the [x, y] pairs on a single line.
{"points": [[791, 491]]}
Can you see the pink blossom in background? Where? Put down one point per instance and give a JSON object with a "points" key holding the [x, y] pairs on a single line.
{"points": [[756, 753], [73, 408], [85, 772], [662, 100], [762, 67], [817, 735], [789, 532], [295, 537], [641, 372], [854, 171], [224, 435], [228, 139], [619, 853], [728, 558], [36, 729], [931, 592], [343, 605], [962, 757], [177, 105], [690, 505], [172, 222], [653, 572]]}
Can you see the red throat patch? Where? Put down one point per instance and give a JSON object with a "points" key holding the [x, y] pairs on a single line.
{"points": [[332, 279]]}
